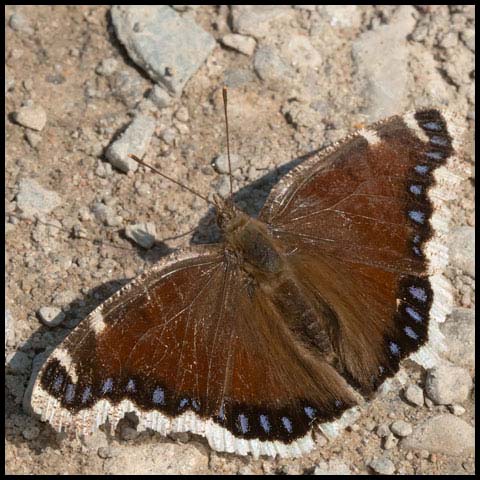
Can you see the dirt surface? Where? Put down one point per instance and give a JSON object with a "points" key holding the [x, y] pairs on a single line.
{"points": [[74, 258]]}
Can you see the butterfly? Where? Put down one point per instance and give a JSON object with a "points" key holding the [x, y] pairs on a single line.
{"points": [[256, 340]]}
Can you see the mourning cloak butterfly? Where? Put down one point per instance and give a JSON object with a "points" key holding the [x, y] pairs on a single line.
{"points": [[253, 342]]}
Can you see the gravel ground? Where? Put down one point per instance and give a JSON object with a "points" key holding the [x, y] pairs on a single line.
{"points": [[77, 227]]}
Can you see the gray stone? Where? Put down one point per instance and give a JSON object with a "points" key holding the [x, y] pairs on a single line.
{"points": [[142, 234], [462, 249], [31, 116], [459, 331], [343, 16], [106, 452], [20, 23], [160, 97], [30, 432], [445, 434], [382, 465], [414, 394], [221, 163], [447, 384], [383, 430], [18, 363], [106, 214], [182, 114], [169, 47], [456, 410], [134, 140], [34, 200], [127, 86], [468, 37], [332, 467], [169, 135], [401, 428], [241, 43], [390, 442], [258, 20], [381, 58], [107, 67], [9, 329], [299, 52], [270, 66], [128, 433], [33, 138], [51, 316], [222, 186]]}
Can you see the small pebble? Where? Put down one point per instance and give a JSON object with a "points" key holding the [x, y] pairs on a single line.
{"points": [[456, 409], [105, 452], [128, 433], [401, 428], [33, 138], [390, 442], [51, 316], [142, 234], [20, 23], [30, 432], [383, 430], [382, 465], [160, 97], [221, 163], [33, 117], [107, 67], [240, 43], [182, 114], [414, 394]]}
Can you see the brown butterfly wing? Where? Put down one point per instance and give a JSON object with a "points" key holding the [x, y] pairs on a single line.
{"points": [[358, 227], [191, 345], [152, 343]]}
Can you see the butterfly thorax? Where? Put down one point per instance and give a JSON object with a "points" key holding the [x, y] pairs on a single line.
{"points": [[249, 240]]}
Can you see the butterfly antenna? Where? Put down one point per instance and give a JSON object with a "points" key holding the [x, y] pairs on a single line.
{"points": [[228, 139], [191, 190]]}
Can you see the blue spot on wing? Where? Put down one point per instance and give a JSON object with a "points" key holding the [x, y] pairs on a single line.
{"points": [[414, 314], [310, 412], [441, 141], [107, 386], [70, 393], [394, 348], [432, 126], [58, 382], [265, 423], [158, 396], [417, 216], [435, 155], [242, 423], [287, 424], [418, 293], [409, 331], [422, 169], [416, 189], [87, 393]]}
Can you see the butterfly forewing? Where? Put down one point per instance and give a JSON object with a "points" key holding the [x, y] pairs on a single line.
{"points": [[353, 224]]}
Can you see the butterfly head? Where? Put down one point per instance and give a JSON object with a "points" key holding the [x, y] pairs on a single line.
{"points": [[228, 215]]}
